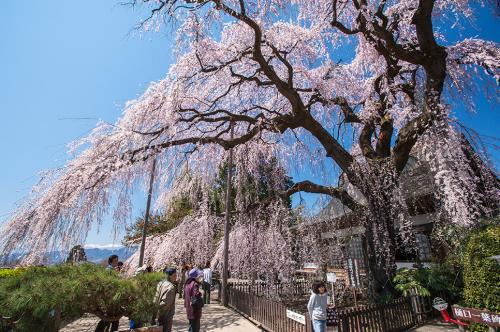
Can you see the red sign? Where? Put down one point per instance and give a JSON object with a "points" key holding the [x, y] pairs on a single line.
{"points": [[479, 316]]}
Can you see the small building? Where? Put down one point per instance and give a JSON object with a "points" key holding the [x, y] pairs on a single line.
{"points": [[342, 234]]}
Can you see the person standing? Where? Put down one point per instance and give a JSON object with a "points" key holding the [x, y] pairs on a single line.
{"points": [[113, 261], [184, 272], [165, 298], [193, 301], [188, 268], [207, 283], [317, 306]]}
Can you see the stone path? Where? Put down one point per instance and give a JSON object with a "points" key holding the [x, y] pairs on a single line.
{"points": [[215, 318]]}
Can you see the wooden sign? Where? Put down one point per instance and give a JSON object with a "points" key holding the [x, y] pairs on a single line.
{"points": [[475, 315], [296, 316]]}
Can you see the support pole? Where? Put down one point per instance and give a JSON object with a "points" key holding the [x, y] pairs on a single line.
{"points": [[225, 266], [146, 217]]}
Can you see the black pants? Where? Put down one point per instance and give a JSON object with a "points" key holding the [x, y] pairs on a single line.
{"points": [[103, 326], [180, 288], [194, 325], [206, 292]]}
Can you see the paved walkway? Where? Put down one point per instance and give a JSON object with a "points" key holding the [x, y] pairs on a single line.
{"points": [[215, 318], [436, 325]]}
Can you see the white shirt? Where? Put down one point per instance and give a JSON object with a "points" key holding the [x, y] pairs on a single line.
{"points": [[207, 275]]}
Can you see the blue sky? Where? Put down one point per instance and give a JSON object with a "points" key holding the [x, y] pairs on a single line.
{"points": [[61, 60]]}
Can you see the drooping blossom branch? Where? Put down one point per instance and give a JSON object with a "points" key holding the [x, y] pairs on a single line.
{"points": [[290, 98]]}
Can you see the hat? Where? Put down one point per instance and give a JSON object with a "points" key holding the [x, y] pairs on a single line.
{"points": [[169, 271], [195, 273]]}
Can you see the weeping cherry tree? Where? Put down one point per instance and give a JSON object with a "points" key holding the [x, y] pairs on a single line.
{"points": [[340, 88]]}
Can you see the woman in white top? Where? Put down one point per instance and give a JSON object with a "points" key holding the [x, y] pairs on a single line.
{"points": [[317, 306]]}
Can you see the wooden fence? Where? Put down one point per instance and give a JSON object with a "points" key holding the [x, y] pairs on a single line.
{"points": [[422, 307], [271, 315], [392, 317]]}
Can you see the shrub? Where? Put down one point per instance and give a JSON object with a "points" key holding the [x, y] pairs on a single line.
{"points": [[408, 280], [441, 279], [4, 273], [41, 297], [481, 272], [143, 308]]}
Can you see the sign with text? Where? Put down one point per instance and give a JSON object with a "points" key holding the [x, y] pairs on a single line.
{"points": [[331, 277], [296, 316], [353, 272], [475, 315]]}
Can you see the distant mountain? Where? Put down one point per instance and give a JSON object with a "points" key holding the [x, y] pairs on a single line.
{"points": [[95, 254], [99, 254]]}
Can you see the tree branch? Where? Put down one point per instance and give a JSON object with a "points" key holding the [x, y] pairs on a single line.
{"points": [[407, 138], [365, 140], [383, 148], [340, 193]]}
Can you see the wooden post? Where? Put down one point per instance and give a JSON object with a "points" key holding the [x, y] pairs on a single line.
{"points": [[146, 217], [225, 267], [333, 294]]}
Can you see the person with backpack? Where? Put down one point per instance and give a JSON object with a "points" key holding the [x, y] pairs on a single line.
{"points": [[193, 301], [165, 298], [317, 306]]}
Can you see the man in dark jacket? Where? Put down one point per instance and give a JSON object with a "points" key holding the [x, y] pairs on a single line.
{"points": [[193, 301]]}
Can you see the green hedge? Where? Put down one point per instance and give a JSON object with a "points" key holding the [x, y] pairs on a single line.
{"points": [[4, 273], [41, 296], [481, 273]]}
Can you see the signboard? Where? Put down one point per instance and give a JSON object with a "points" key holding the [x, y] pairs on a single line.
{"points": [[475, 315], [353, 272], [296, 316], [311, 266], [331, 277]]}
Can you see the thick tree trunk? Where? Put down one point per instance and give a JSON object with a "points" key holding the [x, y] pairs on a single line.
{"points": [[380, 264], [384, 217]]}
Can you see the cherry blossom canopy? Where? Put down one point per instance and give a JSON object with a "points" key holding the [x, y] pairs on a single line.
{"points": [[330, 88]]}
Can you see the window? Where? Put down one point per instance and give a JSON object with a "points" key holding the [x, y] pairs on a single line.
{"points": [[353, 249]]}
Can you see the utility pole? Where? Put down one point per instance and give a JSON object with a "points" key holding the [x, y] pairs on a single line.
{"points": [[146, 217], [225, 266]]}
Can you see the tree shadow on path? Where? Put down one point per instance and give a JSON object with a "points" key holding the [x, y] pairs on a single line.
{"points": [[215, 318]]}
